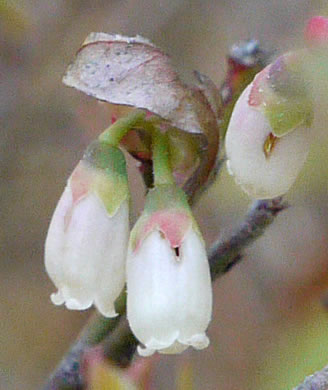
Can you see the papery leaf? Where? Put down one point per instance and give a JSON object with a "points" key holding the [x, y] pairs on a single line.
{"points": [[131, 71], [210, 90]]}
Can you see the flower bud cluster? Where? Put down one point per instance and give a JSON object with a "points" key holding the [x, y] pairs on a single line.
{"points": [[90, 254]]}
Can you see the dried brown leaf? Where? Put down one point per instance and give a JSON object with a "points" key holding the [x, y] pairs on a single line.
{"points": [[131, 71]]}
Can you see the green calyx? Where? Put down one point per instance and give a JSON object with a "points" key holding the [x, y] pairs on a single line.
{"points": [[109, 159], [109, 174], [288, 104], [166, 196], [286, 115], [167, 210], [166, 207]]}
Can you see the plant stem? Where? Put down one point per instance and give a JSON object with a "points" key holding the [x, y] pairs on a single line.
{"points": [[117, 130], [223, 255], [161, 161], [67, 374]]}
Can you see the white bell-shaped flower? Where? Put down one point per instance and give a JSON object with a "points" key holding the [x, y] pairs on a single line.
{"points": [[169, 301], [87, 241], [263, 175]]}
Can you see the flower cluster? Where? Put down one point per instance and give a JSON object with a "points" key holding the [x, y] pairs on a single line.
{"points": [[90, 254]]}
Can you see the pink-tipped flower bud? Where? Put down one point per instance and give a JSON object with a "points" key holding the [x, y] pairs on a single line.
{"points": [[268, 137], [316, 32], [87, 240], [169, 300], [315, 67]]}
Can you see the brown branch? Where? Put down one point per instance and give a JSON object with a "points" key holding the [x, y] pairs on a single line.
{"points": [[67, 374], [223, 255]]}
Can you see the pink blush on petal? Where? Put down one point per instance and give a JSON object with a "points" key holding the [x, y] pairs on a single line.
{"points": [[174, 225], [256, 95], [80, 182]]}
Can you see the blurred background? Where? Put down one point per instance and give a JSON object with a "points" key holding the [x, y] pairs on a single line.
{"points": [[270, 324]]}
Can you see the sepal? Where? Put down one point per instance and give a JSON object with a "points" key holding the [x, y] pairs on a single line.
{"points": [[166, 210], [105, 168]]}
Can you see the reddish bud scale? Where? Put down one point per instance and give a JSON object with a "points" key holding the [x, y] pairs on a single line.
{"points": [[317, 31], [244, 62]]}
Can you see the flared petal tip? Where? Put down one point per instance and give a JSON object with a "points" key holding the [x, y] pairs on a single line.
{"points": [[197, 341], [144, 351], [152, 346], [71, 303], [174, 349], [107, 312], [58, 299]]}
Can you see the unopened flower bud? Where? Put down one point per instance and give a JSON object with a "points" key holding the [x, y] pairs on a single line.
{"points": [[169, 300], [87, 239], [262, 161], [316, 32]]}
